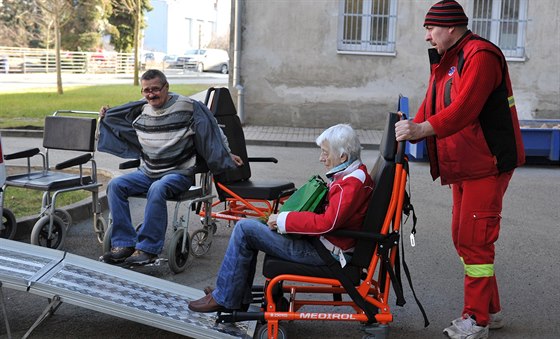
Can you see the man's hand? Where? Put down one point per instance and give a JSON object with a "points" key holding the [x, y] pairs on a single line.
{"points": [[272, 222], [236, 159], [409, 130], [102, 111]]}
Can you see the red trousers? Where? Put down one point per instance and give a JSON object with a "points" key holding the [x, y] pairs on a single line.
{"points": [[477, 207]]}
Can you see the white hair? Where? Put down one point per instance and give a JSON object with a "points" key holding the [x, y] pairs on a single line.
{"points": [[342, 139]]}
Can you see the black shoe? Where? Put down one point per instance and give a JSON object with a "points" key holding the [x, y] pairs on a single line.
{"points": [[117, 254], [139, 258]]}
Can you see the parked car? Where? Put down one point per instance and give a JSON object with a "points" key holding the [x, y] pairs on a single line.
{"points": [[203, 60], [170, 61]]}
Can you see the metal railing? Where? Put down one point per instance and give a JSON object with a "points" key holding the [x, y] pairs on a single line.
{"points": [[34, 60]]}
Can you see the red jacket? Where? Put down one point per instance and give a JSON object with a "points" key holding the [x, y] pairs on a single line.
{"points": [[348, 200], [470, 105]]}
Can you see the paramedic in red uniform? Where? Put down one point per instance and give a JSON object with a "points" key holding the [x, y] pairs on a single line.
{"points": [[469, 120], [349, 192]]}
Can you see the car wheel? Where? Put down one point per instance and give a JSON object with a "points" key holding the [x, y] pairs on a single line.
{"points": [[224, 69], [200, 67]]}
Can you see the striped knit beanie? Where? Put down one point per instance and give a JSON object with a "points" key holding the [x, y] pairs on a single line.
{"points": [[446, 13]]}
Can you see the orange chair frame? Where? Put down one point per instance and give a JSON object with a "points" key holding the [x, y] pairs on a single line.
{"points": [[238, 208], [369, 289]]}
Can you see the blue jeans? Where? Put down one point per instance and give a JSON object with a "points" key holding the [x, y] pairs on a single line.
{"points": [[151, 236], [235, 278]]}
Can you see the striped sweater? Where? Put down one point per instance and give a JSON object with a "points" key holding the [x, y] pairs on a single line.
{"points": [[166, 136]]}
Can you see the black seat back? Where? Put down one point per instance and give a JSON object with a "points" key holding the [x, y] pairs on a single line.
{"points": [[69, 133], [219, 101], [382, 173]]}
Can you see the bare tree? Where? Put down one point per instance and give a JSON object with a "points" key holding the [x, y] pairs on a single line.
{"points": [[58, 12]]}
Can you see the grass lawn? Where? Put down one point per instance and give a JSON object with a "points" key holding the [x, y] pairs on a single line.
{"points": [[24, 202], [28, 109]]}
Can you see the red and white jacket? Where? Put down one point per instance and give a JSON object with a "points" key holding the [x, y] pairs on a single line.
{"points": [[348, 200], [470, 105]]}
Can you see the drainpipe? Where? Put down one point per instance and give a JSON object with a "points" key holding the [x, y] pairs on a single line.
{"points": [[237, 61]]}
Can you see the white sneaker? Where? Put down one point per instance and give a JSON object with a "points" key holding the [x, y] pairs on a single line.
{"points": [[496, 320], [466, 328]]}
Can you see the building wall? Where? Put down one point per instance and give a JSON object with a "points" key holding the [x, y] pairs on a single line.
{"points": [[536, 82], [155, 34], [175, 26], [293, 76]]}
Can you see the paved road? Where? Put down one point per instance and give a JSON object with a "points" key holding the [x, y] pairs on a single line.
{"points": [[14, 82], [527, 261]]}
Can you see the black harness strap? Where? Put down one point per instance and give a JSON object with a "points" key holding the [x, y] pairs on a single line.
{"points": [[407, 209], [389, 242], [337, 271]]}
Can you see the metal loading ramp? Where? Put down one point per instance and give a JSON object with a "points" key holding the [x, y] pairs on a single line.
{"points": [[67, 278]]}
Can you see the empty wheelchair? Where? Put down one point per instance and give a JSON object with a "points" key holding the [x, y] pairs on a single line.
{"points": [[242, 196], [65, 132]]}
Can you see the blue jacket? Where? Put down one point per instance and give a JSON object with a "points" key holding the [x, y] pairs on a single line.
{"points": [[118, 137]]}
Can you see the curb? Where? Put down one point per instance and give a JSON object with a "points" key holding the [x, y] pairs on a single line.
{"points": [[254, 142], [306, 144], [25, 133]]}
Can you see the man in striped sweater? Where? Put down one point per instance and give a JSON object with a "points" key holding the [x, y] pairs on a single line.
{"points": [[166, 134]]}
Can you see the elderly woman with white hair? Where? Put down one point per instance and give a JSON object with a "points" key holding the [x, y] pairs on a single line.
{"points": [[350, 189]]}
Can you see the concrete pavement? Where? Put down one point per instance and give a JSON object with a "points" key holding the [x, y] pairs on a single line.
{"points": [[527, 259]]}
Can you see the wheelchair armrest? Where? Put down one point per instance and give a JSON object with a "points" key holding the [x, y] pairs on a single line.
{"points": [[287, 192], [129, 164], [261, 159], [80, 160], [357, 234], [23, 154]]}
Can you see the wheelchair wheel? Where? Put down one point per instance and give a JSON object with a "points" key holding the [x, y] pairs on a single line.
{"points": [[200, 244], [107, 239], [9, 224], [212, 225], [262, 332], [100, 228], [64, 216], [40, 233], [177, 259]]}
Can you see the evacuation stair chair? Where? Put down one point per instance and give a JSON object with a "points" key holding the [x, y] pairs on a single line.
{"points": [[367, 277]]}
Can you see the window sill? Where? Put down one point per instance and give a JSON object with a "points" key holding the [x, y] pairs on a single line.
{"points": [[387, 54], [516, 59]]}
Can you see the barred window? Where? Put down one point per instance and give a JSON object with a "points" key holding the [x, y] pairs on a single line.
{"points": [[367, 26], [503, 22]]}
